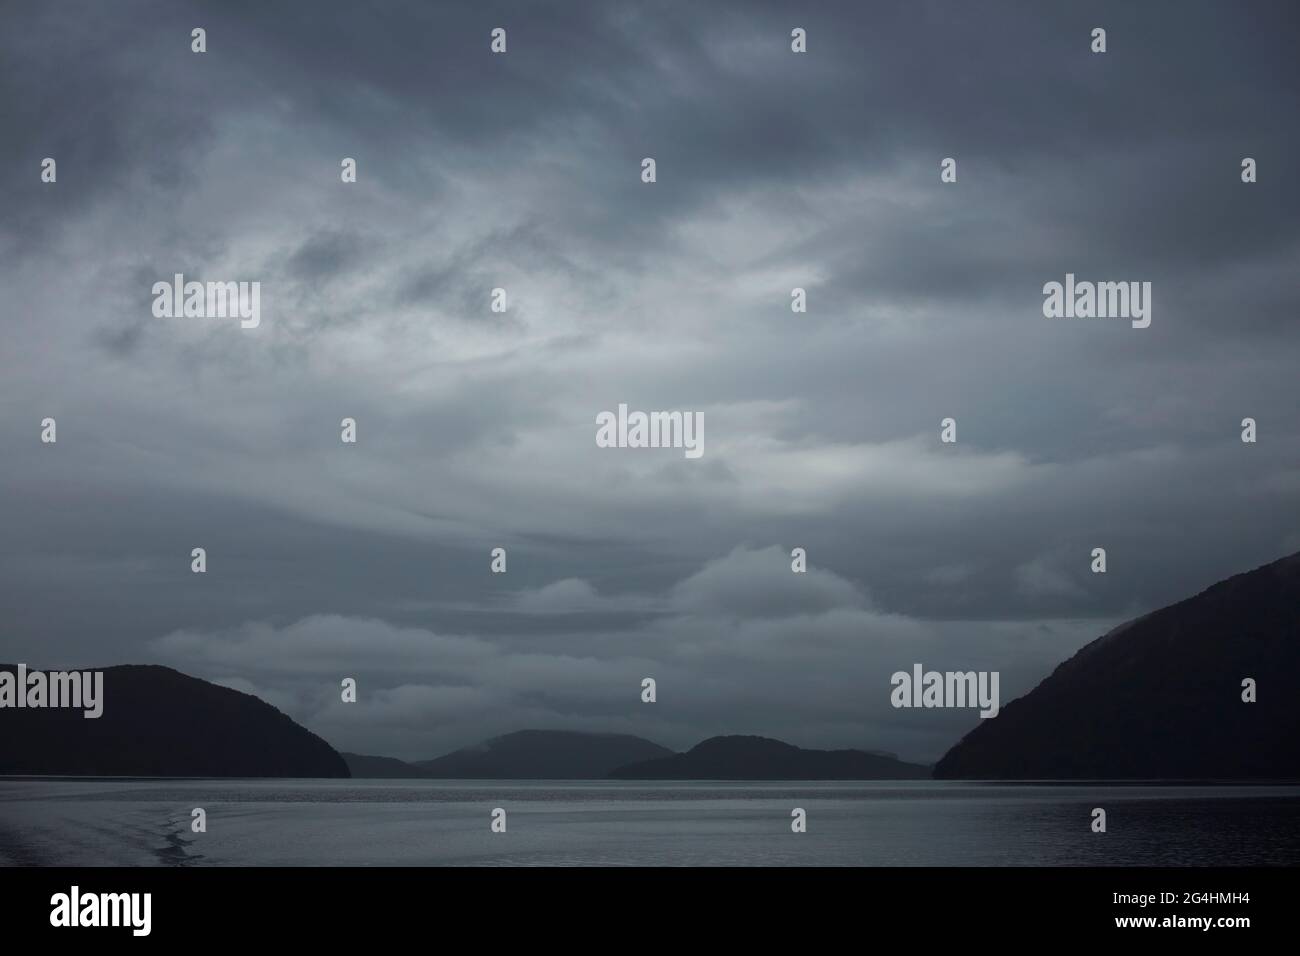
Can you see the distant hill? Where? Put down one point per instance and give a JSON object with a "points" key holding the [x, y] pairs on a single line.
{"points": [[158, 722], [381, 768], [762, 758], [543, 755], [1160, 697]]}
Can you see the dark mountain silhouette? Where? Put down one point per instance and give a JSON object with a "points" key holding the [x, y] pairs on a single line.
{"points": [[543, 755], [1161, 696], [158, 722], [761, 758], [381, 768]]}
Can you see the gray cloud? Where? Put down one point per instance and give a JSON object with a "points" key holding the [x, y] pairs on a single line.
{"points": [[476, 429], [726, 651]]}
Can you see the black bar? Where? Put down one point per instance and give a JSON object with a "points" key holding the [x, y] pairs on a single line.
{"points": [[213, 905]]}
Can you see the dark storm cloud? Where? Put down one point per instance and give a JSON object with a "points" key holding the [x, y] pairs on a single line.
{"points": [[475, 428], [324, 256]]}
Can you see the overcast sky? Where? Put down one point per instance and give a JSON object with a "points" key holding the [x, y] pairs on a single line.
{"points": [[476, 430]]}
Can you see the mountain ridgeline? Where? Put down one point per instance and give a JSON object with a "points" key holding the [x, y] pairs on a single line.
{"points": [[573, 755], [543, 755], [762, 758], [380, 768], [1162, 696], [522, 755], [157, 722]]}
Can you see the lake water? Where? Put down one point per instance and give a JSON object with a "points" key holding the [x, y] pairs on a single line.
{"points": [[85, 822]]}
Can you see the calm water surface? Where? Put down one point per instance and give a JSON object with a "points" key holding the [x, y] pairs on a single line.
{"points": [[446, 822]]}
